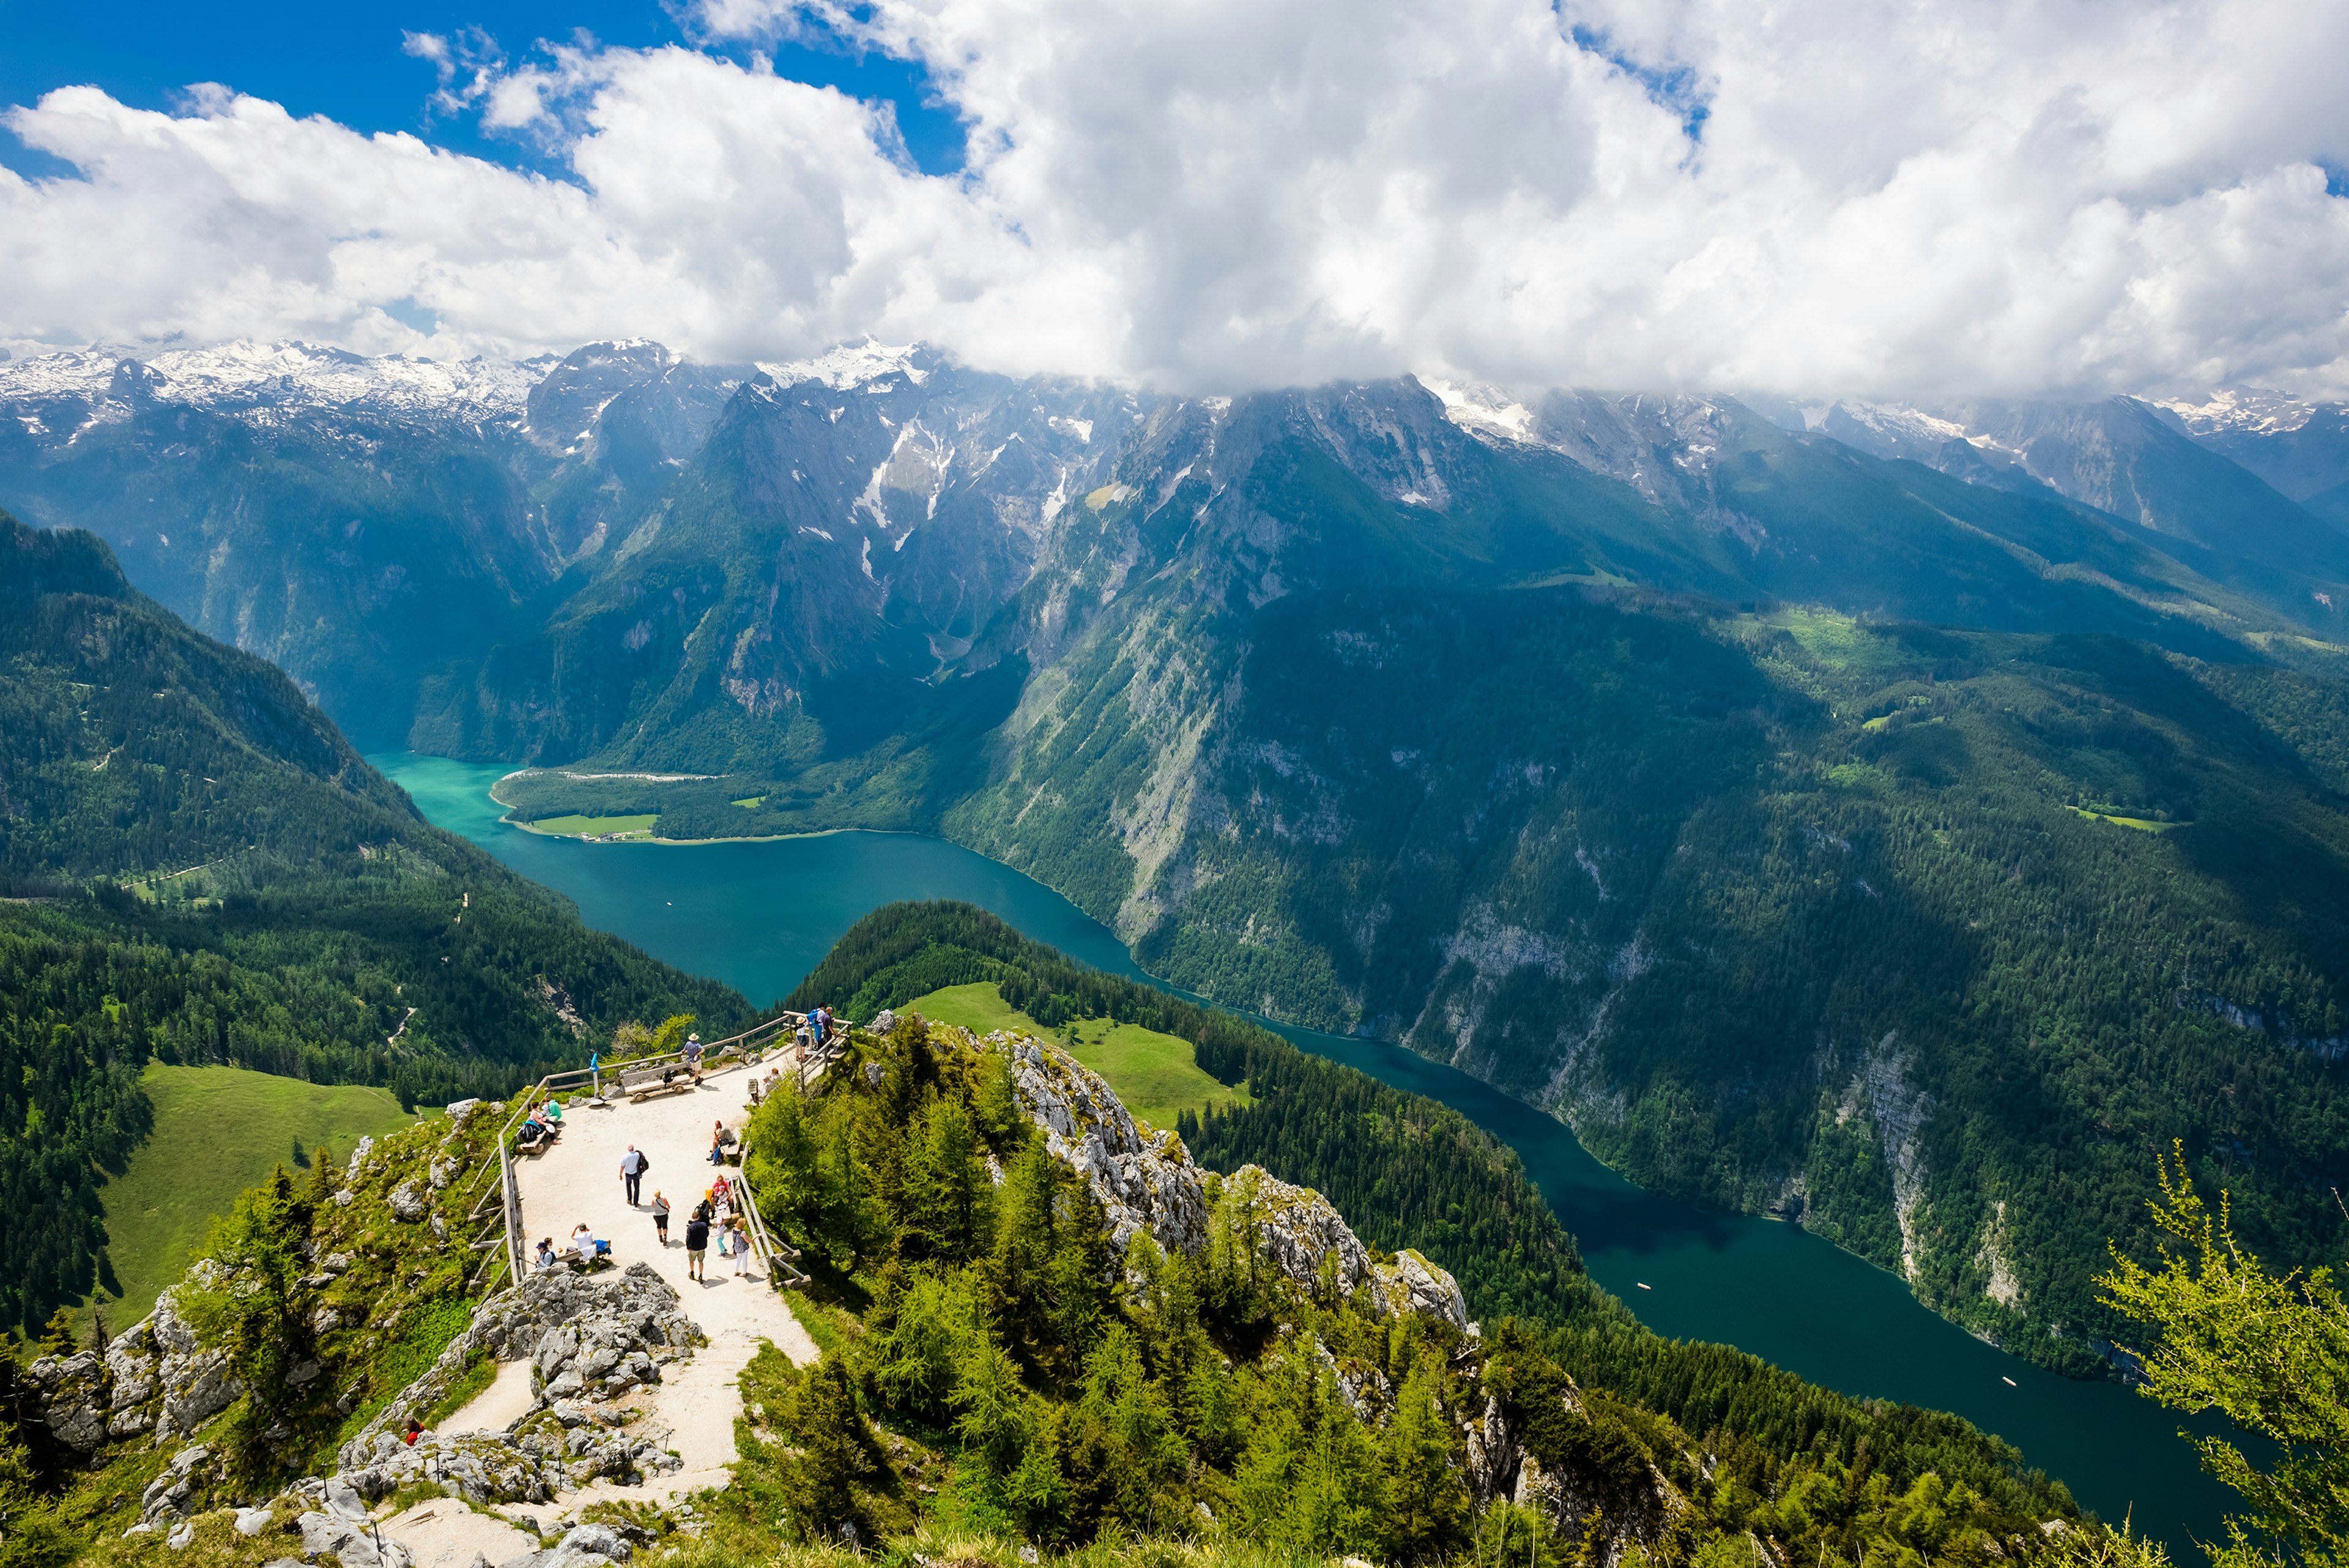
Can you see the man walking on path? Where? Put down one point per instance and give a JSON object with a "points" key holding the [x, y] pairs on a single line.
{"points": [[696, 1241], [632, 1173]]}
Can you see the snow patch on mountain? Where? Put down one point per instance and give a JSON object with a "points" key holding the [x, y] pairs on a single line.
{"points": [[854, 365], [1482, 411]]}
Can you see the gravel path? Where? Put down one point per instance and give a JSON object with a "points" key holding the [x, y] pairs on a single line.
{"points": [[698, 1399]]}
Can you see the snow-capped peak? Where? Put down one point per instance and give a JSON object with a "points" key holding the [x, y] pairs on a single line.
{"points": [[852, 365], [239, 376], [2249, 409], [1481, 410]]}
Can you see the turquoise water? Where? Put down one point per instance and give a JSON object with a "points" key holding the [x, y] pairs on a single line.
{"points": [[760, 916]]}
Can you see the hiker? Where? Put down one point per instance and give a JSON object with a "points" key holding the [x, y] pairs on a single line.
{"points": [[741, 1239], [821, 1019], [554, 1116], [774, 1079], [546, 1259], [531, 1132], [697, 1242], [758, 1087], [719, 1138], [693, 1057], [583, 1240], [415, 1431], [632, 1166], [660, 1218]]}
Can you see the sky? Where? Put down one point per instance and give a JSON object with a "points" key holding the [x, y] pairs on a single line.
{"points": [[2058, 197]]}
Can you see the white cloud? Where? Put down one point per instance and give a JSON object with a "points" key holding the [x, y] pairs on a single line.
{"points": [[1907, 198]]}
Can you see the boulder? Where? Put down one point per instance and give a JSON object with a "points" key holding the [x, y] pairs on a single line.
{"points": [[72, 1398], [408, 1201], [1413, 1284], [601, 1538]]}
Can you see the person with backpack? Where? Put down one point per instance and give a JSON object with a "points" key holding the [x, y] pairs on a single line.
{"points": [[660, 1218], [632, 1166], [697, 1242], [741, 1241]]}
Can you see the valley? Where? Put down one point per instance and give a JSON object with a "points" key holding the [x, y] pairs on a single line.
{"points": [[1902, 819], [1766, 1287]]}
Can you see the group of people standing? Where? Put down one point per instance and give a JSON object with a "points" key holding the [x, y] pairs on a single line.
{"points": [[718, 1213]]}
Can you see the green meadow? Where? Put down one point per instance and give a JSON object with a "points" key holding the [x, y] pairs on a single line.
{"points": [[1156, 1074], [219, 1131]]}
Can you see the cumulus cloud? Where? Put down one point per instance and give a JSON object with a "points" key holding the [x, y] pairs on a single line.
{"points": [[1960, 197]]}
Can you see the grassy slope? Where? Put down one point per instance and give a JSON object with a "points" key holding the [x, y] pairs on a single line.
{"points": [[219, 1131], [1153, 1074]]}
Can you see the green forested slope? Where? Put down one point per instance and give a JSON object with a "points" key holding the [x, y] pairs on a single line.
{"points": [[1408, 1172], [204, 871]]}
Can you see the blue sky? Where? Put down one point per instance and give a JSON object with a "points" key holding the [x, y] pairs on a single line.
{"points": [[343, 59]]}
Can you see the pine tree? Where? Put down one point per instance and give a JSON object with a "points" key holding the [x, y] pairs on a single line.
{"points": [[57, 1337], [1426, 1505], [836, 1454]]}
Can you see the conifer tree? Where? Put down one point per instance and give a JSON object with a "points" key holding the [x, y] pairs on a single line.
{"points": [[835, 1453], [1426, 1505]]}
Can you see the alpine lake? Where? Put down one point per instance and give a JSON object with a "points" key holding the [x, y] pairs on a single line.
{"points": [[760, 914]]}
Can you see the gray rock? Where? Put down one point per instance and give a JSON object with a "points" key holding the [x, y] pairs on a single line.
{"points": [[597, 1538], [73, 1398], [253, 1521], [196, 1388], [408, 1201], [325, 1320], [458, 1109], [343, 1499], [1413, 1284], [179, 1539], [1143, 1183]]}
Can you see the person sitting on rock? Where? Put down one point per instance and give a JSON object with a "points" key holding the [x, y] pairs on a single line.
{"points": [[546, 1259], [583, 1241], [415, 1431]]}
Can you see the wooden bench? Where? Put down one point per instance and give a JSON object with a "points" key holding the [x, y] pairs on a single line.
{"points": [[656, 1080]]}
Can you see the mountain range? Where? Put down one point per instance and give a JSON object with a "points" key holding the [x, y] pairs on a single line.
{"points": [[1905, 818]]}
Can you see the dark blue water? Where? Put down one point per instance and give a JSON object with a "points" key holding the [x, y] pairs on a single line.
{"points": [[760, 916]]}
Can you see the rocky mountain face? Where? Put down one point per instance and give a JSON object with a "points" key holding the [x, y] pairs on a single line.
{"points": [[2199, 486]]}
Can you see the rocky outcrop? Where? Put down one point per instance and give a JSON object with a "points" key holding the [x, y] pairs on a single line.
{"points": [[71, 1395], [556, 1449], [1305, 1236], [1299, 1230], [1413, 1284], [596, 1334], [194, 1381], [1146, 1183], [340, 1524]]}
